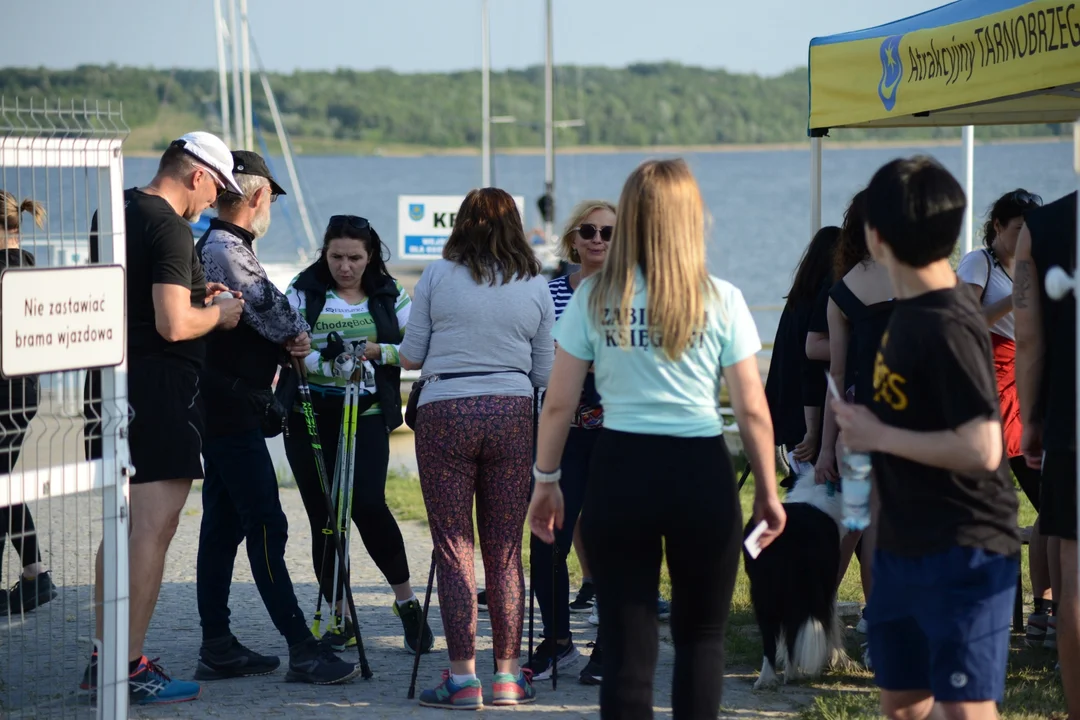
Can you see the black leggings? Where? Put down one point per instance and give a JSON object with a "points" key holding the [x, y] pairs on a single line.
{"points": [[16, 522], [646, 493], [376, 524], [18, 406]]}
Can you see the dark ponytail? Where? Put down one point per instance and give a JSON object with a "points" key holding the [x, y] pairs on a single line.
{"points": [[1009, 206]]}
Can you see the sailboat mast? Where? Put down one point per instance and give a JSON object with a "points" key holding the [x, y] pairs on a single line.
{"points": [[549, 122], [297, 191], [249, 130], [485, 92], [238, 110], [223, 75]]}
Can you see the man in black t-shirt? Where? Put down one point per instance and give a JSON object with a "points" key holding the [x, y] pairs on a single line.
{"points": [[947, 556], [170, 308], [1046, 386]]}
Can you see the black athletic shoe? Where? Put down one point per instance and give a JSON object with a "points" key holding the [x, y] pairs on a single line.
{"points": [[26, 595], [481, 601], [313, 661], [412, 615], [227, 658], [89, 678], [542, 662], [584, 600], [592, 674], [3, 602], [341, 635]]}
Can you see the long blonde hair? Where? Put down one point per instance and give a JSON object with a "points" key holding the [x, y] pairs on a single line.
{"points": [[581, 211], [660, 228], [11, 211]]}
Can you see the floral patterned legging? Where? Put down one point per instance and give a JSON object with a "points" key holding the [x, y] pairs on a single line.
{"points": [[478, 446]]}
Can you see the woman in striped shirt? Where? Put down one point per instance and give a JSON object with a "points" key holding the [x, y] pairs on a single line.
{"points": [[348, 297], [585, 243]]}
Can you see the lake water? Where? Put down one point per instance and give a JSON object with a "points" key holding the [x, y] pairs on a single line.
{"points": [[759, 200]]}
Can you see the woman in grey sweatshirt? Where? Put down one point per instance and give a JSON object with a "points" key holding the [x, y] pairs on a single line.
{"points": [[481, 330]]}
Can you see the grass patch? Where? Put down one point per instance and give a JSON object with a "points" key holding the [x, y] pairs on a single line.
{"points": [[1033, 687]]}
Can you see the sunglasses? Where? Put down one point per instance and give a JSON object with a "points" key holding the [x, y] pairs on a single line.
{"points": [[354, 222], [1023, 197], [588, 231]]}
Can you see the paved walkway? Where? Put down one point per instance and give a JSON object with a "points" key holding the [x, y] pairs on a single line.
{"points": [[175, 636]]}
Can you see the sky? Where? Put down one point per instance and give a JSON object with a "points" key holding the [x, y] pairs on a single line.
{"points": [[766, 37]]}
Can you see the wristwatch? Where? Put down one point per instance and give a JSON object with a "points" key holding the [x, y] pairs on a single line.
{"points": [[546, 478]]}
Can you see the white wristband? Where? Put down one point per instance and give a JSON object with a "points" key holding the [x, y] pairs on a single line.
{"points": [[544, 478]]}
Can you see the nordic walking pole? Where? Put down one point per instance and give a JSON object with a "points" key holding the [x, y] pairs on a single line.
{"points": [[320, 467], [555, 615], [337, 493], [423, 624], [532, 591]]}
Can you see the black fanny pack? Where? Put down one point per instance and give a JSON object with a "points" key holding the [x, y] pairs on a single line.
{"points": [[414, 392], [271, 405]]}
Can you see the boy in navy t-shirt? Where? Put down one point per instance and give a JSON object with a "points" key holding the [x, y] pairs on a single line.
{"points": [[946, 564]]}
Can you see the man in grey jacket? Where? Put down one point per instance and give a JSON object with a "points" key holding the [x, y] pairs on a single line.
{"points": [[240, 493]]}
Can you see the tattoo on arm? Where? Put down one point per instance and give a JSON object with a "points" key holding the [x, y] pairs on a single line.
{"points": [[1022, 284]]}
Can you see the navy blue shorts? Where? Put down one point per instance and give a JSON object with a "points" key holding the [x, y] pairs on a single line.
{"points": [[941, 623]]}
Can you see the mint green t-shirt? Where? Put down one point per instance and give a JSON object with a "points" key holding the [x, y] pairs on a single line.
{"points": [[643, 391]]}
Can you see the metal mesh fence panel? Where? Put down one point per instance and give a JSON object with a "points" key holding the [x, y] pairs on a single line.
{"points": [[63, 318]]}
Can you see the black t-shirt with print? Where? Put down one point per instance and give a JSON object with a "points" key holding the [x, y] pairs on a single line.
{"points": [[934, 372], [160, 249]]}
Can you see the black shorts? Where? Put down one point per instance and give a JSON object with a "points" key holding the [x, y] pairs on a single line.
{"points": [[1057, 518], [166, 430], [1028, 478]]}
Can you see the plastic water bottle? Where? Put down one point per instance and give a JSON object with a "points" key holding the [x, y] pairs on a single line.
{"points": [[855, 483]]}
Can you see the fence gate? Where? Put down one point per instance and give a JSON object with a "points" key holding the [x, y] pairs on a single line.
{"points": [[60, 315]]}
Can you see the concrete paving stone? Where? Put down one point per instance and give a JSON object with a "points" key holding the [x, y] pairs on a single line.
{"points": [[43, 654]]}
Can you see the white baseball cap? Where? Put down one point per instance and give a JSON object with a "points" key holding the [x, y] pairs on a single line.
{"points": [[210, 150]]}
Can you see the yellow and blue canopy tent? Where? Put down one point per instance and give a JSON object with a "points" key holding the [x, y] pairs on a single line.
{"points": [[971, 62]]}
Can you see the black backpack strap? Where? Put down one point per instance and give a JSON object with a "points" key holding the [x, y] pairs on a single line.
{"points": [[989, 272]]}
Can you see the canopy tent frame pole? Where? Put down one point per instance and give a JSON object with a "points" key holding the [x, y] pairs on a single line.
{"points": [[969, 188], [815, 185], [1076, 169]]}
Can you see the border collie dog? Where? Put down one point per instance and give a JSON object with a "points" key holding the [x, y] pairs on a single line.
{"points": [[793, 586]]}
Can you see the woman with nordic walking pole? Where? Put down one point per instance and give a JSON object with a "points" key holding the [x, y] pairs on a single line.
{"points": [[358, 314], [481, 331], [660, 333]]}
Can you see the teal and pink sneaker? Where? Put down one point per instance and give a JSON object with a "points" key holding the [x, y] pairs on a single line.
{"points": [[509, 690], [451, 696]]}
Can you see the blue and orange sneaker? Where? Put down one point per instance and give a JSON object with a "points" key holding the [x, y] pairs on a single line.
{"points": [[509, 690], [149, 685], [451, 696]]}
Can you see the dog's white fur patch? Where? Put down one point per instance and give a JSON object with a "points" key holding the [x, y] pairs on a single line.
{"points": [[768, 677], [808, 491]]}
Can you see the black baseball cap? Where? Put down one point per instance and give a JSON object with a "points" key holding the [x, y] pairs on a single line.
{"points": [[249, 163]]}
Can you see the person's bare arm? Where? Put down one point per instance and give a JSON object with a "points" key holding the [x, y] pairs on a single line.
{"points": [[176, 320], [839, 337], [817, 346], [996, 310], [806, 451], [756, 430], [560, 401], [973, 447], [1027, 314]]}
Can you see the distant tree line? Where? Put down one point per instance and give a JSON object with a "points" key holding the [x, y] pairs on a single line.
{"points": [[640, 105]]}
